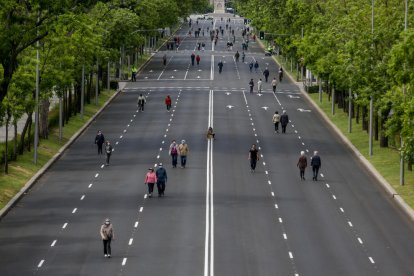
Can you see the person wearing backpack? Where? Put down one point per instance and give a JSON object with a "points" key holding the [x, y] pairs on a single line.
{"points": [[276, 120], [174, 153]]}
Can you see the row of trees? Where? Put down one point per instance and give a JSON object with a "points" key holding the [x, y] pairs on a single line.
{"points": [[76, 40], [366, 46]]}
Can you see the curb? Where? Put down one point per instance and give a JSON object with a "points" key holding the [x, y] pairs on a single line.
{"points": [[381, 180], [23, 191]]}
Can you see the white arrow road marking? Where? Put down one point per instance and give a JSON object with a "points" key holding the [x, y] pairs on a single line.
{"points": [[265, 107]]}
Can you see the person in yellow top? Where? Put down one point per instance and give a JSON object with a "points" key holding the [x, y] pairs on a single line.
{"points": [[183, 151], [134, 73]]}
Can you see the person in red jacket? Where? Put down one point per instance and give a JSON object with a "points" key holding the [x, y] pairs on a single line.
{"points": [[168, 102], [198, 59]]}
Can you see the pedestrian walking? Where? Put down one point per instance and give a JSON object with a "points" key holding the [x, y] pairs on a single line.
{"points": [[251, 66], [316, 164], [243, 56], [198, 59], [141, 102], [174, 153], [274, 84], [251, 85], [108, 150], [253, 157], [211, 134], [99, 141], [161, 175], [284, 120], [220, 66], [266, 74], [168, 102], [150, 180], [302, 164], [280, 74], [192, 59], [183, 151], [259, 86], [276, 120], [237, 55], [256, 66], [164, 59], [134, 72], [107, 235]]}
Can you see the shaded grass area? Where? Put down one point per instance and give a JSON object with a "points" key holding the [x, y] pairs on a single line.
{"points": [[21, 170], [385, 160]]}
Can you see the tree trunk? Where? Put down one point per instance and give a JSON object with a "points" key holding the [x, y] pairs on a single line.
{"points": [[364, 118], [376, 126], [44, 119], [6, 148], [26, 126], [15, 140], [357, 114], [30, 133]]}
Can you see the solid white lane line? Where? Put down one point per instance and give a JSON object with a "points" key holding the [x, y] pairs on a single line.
{"points": [[140, 209], [74, 210], [136, 224], [40, 263], [82, 197], [90, 186], [53, 243], [212, 66], [124, 261], [64, 225], [130, 241]]}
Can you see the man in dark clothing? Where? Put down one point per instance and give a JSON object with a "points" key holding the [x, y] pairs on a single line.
{"points": [[161, 174], [251, 85], [256, 66], [108, 150], [284, 120], [253, 157], [220, 66], [266, 74], [316, 165], [192, 59], [99, 140]]}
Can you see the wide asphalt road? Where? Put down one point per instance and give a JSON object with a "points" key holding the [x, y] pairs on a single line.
{"points": [[217, 217]]}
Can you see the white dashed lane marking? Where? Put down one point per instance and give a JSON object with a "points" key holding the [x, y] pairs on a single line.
{"points": [[40, 263], [65, 225], [53, 243], [82, 197], [124, 261], [74, 210], [90, 186], [141, 209], [136, 224], [130, 241]]}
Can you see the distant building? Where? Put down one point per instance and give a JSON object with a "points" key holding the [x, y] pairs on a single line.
{"points": [[219, 6]]}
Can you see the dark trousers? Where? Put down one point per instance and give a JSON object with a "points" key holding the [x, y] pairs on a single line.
{"points": [[183, 160], [302, 173], [251, 89], [108, 156], [315, 170], [174, 160], [134, 77], [141, 106], [150, 188], [253, 163], [107, 246], [284, 128], [277, 126], [168, 106], [274, 89], [161, 187], [99, 148]]}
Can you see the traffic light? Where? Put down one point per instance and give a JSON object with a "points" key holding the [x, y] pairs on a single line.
{"points": [[261, 35]]}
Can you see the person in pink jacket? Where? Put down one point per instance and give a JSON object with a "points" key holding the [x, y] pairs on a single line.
{"points": [[150, 180]]}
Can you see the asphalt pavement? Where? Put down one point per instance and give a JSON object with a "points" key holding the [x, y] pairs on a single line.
{"points": [[217, 217]]}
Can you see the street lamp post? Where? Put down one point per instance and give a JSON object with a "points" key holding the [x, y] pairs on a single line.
{"points": [[371, 104]]}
